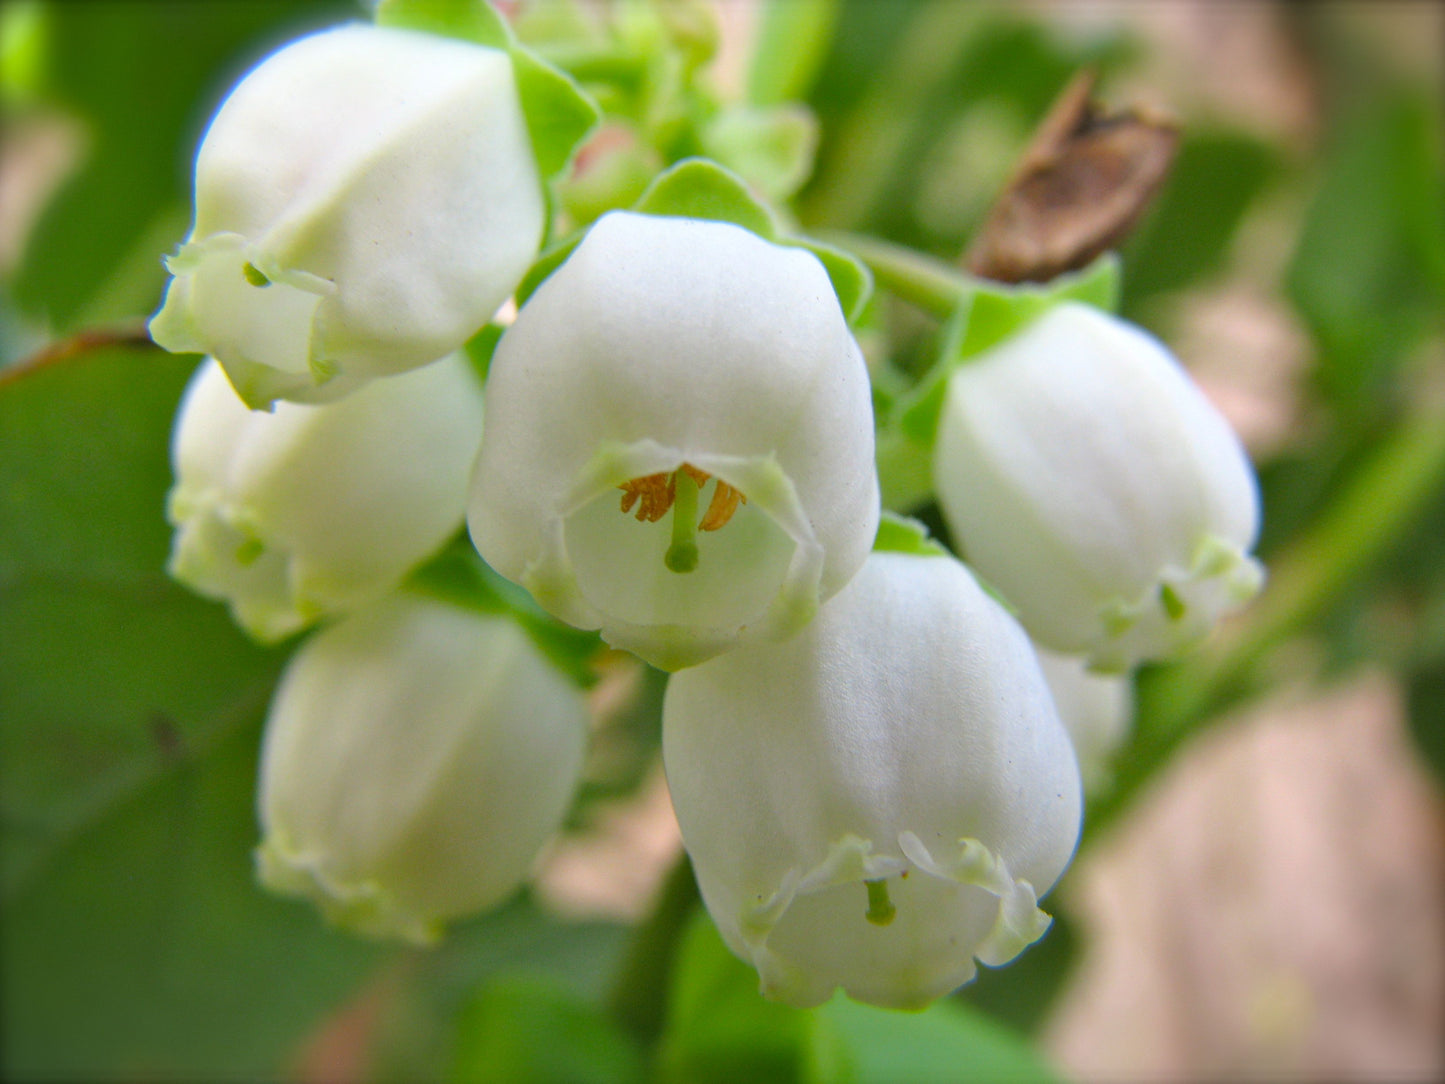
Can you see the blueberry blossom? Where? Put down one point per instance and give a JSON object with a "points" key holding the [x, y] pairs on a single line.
{"points": [[679, 440], [879, 801], [416, 758], [365, 200], [1089, 480], [311, 510]]}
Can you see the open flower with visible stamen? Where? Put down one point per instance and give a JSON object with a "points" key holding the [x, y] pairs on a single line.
{"points": [[879, 801], [679, 440]]}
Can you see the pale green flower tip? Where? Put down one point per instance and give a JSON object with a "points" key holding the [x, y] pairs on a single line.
{"points": [[363, 908]]}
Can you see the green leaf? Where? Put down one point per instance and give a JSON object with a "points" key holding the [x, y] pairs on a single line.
{"points": [[902, 534], [559, 114], [699, 188], [468, 20], [1360, 276], [531, 1030], [772, 148], [1215, 179], [1426, 704], [140, 79], [789, 48], [719, 1028], [945, 1041], [135, 940]]}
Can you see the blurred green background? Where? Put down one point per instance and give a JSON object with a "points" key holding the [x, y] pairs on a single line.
{"points": [[1281, 915]]}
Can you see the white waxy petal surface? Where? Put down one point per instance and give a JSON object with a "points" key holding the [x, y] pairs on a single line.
{"points": [[1086, 477], [417, 757], [309, 510], [383, 182], [905, 734], [664, 341]]}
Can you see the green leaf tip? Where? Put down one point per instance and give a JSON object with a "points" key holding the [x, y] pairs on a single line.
{"points": [[700, 188], [903, 534]]}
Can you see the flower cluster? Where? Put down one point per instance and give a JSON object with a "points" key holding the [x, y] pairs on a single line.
{"points": [[674, 447]]}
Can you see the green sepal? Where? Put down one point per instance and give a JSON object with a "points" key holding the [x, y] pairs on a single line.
{"points": [[997, 311], [904, 534], [700, 188], [458, 575], [551, 258], [480, 348], [468, 20], [560, 115], [988, 314]]}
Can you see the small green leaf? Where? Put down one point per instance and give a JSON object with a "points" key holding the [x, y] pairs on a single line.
{"points": [[469, 20], [559, 114], [943, 1042], [550, 259], [989, 314], [903, 534], [526, 1028], [699, 188], [772, 148], [998, 311], [790, 45]]}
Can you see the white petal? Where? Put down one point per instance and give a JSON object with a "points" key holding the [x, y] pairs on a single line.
{"points": [[309, 510], [417, 757], [383, 182], [1086, 478], [905, 734], [664, 341]]}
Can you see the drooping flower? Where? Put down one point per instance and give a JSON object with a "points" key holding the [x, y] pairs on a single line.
{"points": [[1088, 479], [679, 440], [312, 510], [880, 800], [416, 758], [365, 200]]}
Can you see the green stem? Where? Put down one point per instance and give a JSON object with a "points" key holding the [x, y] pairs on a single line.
{"points": [[936, 287], [638, 1002], [1375, 506]]}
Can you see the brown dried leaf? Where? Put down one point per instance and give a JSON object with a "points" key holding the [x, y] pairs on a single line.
{"points": [[1082, 184]]}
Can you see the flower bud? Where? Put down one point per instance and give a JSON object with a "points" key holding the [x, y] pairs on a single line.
{"points": [[1089, 480], [1096, 709], [679, 440], [366, 199], [879, 801], [417, 756], [311, 510]]}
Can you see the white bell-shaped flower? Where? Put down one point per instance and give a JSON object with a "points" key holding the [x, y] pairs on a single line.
{"points": [[879, 801], [679, 440], [366, 199], [311, 510], [1096, 709], [416, 758], [1086, 477]]}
